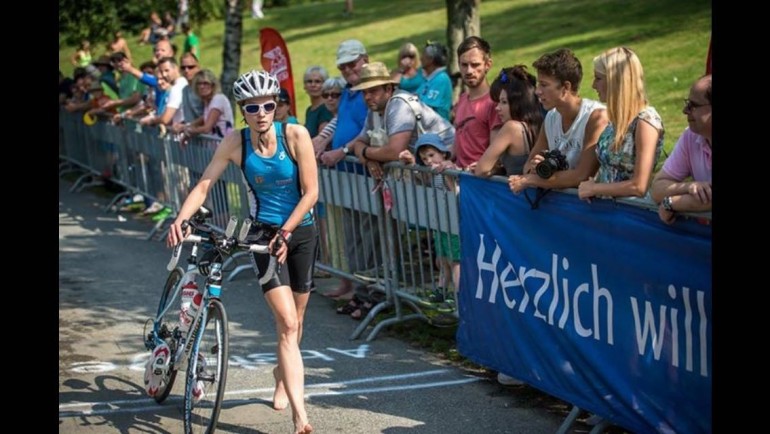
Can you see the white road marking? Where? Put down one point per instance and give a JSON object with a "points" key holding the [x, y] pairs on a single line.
{"points": [[139, 404]]}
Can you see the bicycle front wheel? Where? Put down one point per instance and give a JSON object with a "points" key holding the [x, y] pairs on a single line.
{"points": [[166, 320], [207, 372]]}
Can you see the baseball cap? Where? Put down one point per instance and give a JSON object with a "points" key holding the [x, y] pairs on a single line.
{"points": [[349, 51], [429, 139], [283, 96]]}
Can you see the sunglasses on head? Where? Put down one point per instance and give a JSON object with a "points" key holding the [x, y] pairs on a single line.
{"points": [[253, 109], [334, 95]]}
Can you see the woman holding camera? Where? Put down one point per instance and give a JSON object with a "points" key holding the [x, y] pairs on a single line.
{"points": [[572, 125], [279, 165], [519, 110], [631, 144]]}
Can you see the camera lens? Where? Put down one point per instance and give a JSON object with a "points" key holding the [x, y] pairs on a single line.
{"points": [[544, 169]]}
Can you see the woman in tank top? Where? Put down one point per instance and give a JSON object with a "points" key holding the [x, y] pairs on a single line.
{"points": [[280, 167], [631, 144], [519, 110]]}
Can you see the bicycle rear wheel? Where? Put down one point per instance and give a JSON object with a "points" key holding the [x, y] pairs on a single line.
{"points": [[167, 319], [207, 372]]}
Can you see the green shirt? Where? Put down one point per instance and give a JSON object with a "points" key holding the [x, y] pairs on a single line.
{"points": [[192, 44], [127, 85]]}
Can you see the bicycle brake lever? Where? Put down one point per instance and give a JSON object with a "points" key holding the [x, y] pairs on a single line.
{"points": [[174, 257]]}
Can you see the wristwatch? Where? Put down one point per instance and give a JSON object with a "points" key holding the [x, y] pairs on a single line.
{"points": [[345, 150], [667, 205]]}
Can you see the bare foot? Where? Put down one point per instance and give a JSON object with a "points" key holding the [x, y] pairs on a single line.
{"points": [[306, 429], [280, 400]]}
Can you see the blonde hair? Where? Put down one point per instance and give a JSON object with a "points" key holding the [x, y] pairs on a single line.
{"points": [[626, 96], [206, 75], [411, 49]]}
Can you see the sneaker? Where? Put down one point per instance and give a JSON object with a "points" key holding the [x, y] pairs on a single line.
{"points": [[156, 368], [507, 380], [136, 198], [154, 208], [162, 214]]}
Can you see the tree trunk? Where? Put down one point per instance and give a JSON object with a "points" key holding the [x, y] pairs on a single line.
{"points": [[463, 20], [231, 52]]}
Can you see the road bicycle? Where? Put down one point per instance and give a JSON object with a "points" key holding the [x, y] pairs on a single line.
{"points": [[203, 350]]}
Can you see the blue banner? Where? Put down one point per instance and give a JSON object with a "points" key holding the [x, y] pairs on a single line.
{"points": [[600, 304]]}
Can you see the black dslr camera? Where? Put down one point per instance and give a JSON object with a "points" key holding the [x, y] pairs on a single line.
{"points": [[553, 161]]}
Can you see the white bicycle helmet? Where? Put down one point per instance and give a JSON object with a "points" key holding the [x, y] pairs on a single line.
{"points": [[254, 84]]}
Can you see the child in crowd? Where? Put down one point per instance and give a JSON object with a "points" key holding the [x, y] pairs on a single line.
{"points": [[283, 110], [434, 153]]}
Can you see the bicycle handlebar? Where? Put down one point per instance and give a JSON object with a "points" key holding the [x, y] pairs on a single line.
{"points": [[192, 238]]}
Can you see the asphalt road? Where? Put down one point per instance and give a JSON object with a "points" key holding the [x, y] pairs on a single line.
{"points": [[109, 283]]}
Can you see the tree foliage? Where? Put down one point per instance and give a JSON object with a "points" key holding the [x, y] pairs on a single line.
{"points": [[96, 20]]}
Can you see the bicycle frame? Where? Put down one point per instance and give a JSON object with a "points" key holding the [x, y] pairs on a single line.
{"points": [[192, 273], [192, 340]]}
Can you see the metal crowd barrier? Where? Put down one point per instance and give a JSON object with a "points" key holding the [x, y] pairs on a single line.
{"points": [[380, 235]]}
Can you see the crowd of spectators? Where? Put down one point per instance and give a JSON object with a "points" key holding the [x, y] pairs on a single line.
{"points": [[513, 127]]}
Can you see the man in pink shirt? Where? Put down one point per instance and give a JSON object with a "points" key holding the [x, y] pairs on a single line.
{"points": [[691, 158], [475, 117]]}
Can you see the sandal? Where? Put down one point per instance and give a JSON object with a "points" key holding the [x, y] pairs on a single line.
{"points": [[354, 304], [361, 311]]}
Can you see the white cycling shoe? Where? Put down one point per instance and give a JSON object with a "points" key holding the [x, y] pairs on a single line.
{"points": [[156, 368]]}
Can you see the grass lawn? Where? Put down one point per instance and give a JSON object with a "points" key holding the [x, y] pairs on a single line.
{"points": [[670, 36]]}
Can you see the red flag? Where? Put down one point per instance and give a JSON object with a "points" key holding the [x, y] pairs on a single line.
{"points": [[275, 60]]}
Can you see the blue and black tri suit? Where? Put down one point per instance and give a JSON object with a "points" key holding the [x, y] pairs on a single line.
{"points": [[275, 185]]}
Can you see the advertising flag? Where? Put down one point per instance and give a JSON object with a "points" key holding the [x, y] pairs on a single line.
{"points": [[275, 59]]}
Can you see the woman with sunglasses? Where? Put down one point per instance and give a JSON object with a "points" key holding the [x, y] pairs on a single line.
{"points": [[631, 143], [280, 167], [217, 119], [331, 90], [408, 74]]}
